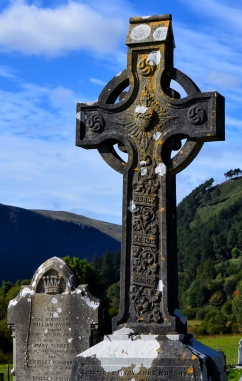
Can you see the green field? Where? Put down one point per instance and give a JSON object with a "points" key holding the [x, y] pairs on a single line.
{"points": [[229, 345], [3, 369]]}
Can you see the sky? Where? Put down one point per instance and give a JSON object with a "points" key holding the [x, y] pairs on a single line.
{"points": [[56, 53]]}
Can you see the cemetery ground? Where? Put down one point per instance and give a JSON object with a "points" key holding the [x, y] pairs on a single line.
{"points": [[3, 369], [228, 344]]}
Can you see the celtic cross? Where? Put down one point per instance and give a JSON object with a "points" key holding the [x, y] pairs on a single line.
{"points": [[149, 121]]}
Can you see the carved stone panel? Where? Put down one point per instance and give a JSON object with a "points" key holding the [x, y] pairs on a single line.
{"points": [[52, 320]]}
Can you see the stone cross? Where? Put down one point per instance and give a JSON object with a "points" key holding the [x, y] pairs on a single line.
{"points": [[149, 121]]}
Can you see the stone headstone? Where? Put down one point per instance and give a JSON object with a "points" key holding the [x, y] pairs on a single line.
{"points": [[240, 355], [52, 320], [149, 121]]}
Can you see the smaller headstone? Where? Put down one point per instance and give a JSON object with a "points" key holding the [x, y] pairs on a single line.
{"points": [[52, 320], [239, 365]]}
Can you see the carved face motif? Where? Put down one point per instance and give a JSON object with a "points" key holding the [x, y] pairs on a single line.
{"points": [[144, 117]]}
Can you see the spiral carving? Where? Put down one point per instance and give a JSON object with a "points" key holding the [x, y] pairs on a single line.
{"points": [[196, 115], [145, 68], [95, 122]]}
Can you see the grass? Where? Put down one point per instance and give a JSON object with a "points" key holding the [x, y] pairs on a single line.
{"points": [[231, 191], [3, 369], [229, 345]]}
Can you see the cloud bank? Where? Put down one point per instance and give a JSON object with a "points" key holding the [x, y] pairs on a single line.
{"points": [[32, 30]]}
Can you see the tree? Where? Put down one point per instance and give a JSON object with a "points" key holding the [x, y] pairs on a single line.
{"points": [[113, 295], [217, 299], [87, 274], [107, 270], [217, 193], [237, 172], [116, 265], [207, 197], [96, 262]]}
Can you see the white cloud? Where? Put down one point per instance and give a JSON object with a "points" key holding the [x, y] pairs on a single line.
{"points": [[7, 72], [32, 30], [38, 112], [97, 81]]}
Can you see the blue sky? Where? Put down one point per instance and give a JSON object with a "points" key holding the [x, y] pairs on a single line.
{"points": [[55, 53]]}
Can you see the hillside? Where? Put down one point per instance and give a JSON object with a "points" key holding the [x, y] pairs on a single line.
{"points": [[29, 237], [210, 255]]}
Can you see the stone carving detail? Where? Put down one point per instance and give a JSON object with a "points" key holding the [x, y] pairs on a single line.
{"points": [[144, 260], [145, 67], [144, 219], [146, 181], [146, 303], [52, 284], [96, 123], [196, 115], [147, 114]]}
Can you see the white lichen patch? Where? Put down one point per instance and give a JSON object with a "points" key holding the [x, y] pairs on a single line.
{"points": [[140, 32], [46, 330], [54, 300], [26, 291], [55, 315], [121, 373], [140, 109], [160, 285], [59, 309], [143, 171], [131, 206], [90, 302], [76, 291], [136, 369], [70, 340], [78, 115], [142, 162], [69, 329], [12, 303], [132, 379], [157, 135], [145, 17], [61, 266], [160, 169], [154, 58], [29, 300], [160, 33]]}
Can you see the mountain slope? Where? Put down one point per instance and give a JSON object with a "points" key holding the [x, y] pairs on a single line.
{"points": [[29, 237]]}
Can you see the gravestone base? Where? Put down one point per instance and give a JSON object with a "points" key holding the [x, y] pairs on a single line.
{"points": [[124, 356]]}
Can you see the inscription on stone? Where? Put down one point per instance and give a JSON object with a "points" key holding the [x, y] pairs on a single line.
{"points": [[51, 321], [174, 373]]}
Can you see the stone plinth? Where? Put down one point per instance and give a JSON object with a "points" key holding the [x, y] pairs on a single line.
{"points": [[52, 321], [129, 357]]}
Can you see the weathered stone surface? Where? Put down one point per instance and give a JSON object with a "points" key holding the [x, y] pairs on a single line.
{"points": [[149, 122], [239, 365], [127, 357], [52, 321]]}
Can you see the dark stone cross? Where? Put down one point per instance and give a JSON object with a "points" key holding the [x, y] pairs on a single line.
{"points": [[149, 121]]}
